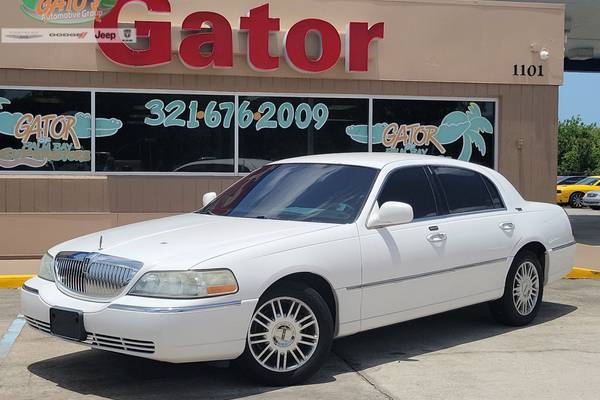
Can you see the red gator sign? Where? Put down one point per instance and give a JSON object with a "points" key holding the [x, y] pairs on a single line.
{"points": [[258, 24]]}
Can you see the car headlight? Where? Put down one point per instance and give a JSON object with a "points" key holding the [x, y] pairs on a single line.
{"points": [[185, 284], [47, 268]]}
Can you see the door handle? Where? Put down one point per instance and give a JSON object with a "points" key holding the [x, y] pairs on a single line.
{"points": [[436, 237], [507, 226]]}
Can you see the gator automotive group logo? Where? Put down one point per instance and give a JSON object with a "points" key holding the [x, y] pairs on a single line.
{"points": [[67, 11]]}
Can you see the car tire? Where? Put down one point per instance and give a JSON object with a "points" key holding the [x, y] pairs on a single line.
{"points": [[523, 291], [595, 208], [289, 337], [576, 199]]}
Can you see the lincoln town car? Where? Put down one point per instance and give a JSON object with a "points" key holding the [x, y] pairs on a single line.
{"points": [[298, 253]]}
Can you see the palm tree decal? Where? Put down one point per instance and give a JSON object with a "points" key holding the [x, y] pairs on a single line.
{"points": [[468, 125]]}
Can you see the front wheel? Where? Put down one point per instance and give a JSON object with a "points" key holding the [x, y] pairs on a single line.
{"points": [[523, 291], [289, 337], [576, 200], [595, 208]]}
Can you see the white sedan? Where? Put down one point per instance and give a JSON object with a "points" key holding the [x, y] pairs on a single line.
{"points": [[300, 252], [592, 200]]}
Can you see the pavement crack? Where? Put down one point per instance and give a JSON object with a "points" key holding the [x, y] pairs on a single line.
{"points": [[364, 377], [448, 353]]}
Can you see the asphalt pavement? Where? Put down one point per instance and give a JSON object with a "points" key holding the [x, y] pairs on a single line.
{"points": [[462, 354], [585, 223]]}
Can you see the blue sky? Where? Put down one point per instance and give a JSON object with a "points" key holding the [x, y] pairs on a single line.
{"points": [[580, 94]]}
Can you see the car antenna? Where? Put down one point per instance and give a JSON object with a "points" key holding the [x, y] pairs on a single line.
{"points": [[100, 244]]}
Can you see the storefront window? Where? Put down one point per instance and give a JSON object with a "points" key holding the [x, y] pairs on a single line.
{"points": [[273, 128], [51, 130], [462, 130], [165, 133], [43, 130]]}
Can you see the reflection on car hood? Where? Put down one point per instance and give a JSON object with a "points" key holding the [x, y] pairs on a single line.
{"points": [[184, 240]]}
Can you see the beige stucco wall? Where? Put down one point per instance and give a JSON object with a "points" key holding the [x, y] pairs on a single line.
{"points": [[425, 41]]}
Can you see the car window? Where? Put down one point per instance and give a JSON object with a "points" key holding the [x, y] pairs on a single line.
{"points": [[465, 190], [410, 185], [570, 180], [588, 181], [493, 190]]}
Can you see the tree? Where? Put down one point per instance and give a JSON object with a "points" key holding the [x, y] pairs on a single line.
{"points": [[578, 147]]}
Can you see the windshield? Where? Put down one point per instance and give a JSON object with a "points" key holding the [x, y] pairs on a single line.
{"points": [[298, 192], [588, 181]]}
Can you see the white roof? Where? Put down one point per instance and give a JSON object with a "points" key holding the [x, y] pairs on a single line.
{"points": [[373, 160]]}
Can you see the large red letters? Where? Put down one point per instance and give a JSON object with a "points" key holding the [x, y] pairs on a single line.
{"points": [[258, 25]]}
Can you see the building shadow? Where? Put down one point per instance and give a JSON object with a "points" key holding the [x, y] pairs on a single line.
{"points": [[120, 377]]}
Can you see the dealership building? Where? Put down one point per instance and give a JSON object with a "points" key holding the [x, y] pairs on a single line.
{"points": [[95, 132]]}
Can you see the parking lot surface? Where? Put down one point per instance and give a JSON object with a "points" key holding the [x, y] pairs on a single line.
{"points": [[461, 354]]}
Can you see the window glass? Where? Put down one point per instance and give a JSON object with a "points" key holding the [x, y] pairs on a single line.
{"points": [[465, 190], [588, 181], [298, 192], [164, 132], [44, 130], [462, 130], [493, 190], [570, 180], [410, 185], [274, 128]]}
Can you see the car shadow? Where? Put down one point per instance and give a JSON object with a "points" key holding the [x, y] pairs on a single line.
{"points": [[120, 377]]}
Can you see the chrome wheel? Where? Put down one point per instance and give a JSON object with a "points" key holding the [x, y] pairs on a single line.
{"points": [[283, 334], [526, 286], [577, 200]]}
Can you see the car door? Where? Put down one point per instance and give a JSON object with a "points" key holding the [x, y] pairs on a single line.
{"points": [[454, 253], [398, 259], [480, 233]]}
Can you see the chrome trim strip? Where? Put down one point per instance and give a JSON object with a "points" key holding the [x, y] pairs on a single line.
{"points": [[564, 246], [162, 310], [29, 289], [425, 274]]}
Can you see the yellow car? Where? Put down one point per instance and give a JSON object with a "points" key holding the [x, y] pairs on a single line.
{"points": [[573, 194]]}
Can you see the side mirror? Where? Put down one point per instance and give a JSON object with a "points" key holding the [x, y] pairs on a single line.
{"points": [[390, 213], [208, 197]]}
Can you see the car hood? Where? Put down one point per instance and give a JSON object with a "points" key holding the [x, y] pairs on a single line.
{"points": [[182, 241]]}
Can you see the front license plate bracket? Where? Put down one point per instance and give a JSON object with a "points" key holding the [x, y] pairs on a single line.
{"points": [[67, 324]]}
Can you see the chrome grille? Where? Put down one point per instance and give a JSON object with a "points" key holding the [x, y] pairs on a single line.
{"points": [[94, 275]]}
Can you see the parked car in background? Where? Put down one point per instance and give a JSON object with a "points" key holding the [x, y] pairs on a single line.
{"points": [[573, 194], [569, 180], [592, 200], [300, 252]]}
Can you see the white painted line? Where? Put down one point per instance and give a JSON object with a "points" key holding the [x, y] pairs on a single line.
{"points": [[10, 336]]}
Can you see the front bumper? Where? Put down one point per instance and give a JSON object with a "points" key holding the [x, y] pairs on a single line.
{"points": [[562, 198], [591, 201], [160, 329]]}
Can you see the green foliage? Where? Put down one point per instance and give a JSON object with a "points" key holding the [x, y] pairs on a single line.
{"points": [[578, 147]]}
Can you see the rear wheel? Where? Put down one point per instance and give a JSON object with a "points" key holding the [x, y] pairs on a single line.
{"points": [[576, 200], [595, 208], [289, 337], [523, 291]]}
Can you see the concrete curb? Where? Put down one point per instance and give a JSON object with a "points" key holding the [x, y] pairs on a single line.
{"points": [[13, 281], [583, 273]]}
